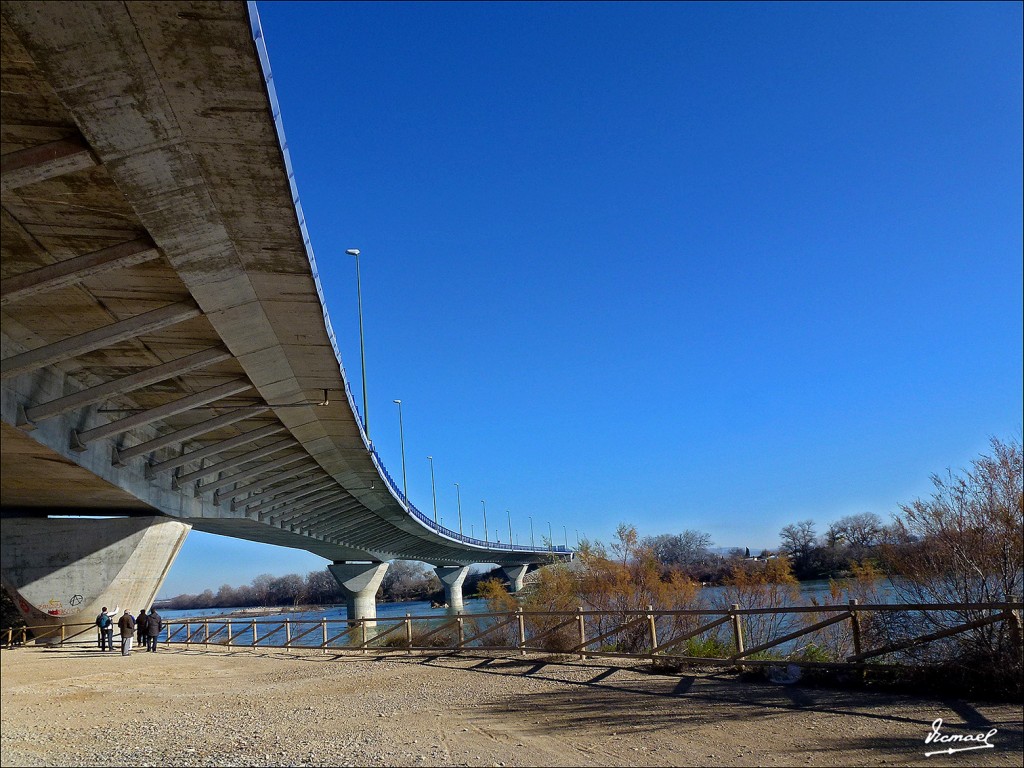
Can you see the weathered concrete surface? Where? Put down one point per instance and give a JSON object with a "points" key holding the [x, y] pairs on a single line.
{"points": [[65, 570]]}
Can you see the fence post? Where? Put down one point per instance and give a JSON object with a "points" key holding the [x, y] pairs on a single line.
{"points": [[10, 637], [206, 634], [188, 633], [62, 634], [288, 635], [408, 632], [1014, 620], [737, 631], [462, 629], [24, 635], [855, 626], [229, 633], [522, 632], [255, 639], [653, 627], [583, 629], [323, 626], [362, 627]]}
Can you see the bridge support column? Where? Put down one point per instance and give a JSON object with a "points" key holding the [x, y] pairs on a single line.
{"points": [[359, 582], [515, 574], [65, 570], [452, 577]]}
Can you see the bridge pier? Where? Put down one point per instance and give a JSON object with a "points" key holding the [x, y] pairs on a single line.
{"points": [[516, 574], [65, 570], [452, 577], [359, 582]]}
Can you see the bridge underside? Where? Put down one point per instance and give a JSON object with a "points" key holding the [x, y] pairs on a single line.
{"points": [[165, 349]]}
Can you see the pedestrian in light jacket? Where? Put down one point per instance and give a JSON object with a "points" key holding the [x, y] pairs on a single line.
{"points": [[127, 626], [154, 623]]}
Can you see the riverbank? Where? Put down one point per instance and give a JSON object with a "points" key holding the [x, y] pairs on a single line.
{"points": [[265, 708]]}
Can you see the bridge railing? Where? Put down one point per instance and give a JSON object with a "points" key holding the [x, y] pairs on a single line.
{"points": [[429, 522], [275, 108], [848, 635]]}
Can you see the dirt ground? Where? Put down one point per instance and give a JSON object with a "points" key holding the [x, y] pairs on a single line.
{"points": [[237, 708]]}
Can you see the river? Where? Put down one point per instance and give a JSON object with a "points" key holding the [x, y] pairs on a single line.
{"points": [[819, 590]]}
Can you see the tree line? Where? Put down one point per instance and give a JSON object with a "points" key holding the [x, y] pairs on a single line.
{"points": [[977, 510]]}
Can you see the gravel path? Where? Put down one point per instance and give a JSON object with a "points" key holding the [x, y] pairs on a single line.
{"points": [[265, 708]]}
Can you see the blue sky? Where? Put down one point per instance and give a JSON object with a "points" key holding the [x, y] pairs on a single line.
{"points": [[679, 265]]}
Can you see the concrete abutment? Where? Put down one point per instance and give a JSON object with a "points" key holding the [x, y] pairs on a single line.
{"points": [[65, 570]]}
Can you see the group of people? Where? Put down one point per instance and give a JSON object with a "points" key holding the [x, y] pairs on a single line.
{"points": [[147, 626]]}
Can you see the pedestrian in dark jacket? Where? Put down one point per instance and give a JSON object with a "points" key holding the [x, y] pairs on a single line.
{"points": [[140, 629], [154, 623], [106, 626], [127, 626]]}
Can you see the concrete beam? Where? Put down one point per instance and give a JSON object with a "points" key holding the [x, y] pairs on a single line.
{"points": [[45, 161], [212, 450], [305, 506], [245, 474], [125, 384], [79, 440], [265, 482], [359, 583], [223, 466], [187, 433], [266, 503], [70, 271], [101, 337], [323, 512]]}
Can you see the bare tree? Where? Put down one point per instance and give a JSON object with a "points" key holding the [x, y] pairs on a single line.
{"points": [[965, 545]]}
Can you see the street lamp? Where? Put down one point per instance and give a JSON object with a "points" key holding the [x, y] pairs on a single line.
{"points": [[458, 499], [509, 526], [565, 533], [401, 432], [551, 537], [533, 542], [433, 489], [362, 346], [485, 520]]}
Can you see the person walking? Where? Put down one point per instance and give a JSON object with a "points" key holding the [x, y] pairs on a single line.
{"points": [[106, 627], [140, 629], [127, 626], [154, 623]]}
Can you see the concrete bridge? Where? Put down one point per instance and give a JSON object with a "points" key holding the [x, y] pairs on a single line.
{"points": [[167, 359]]}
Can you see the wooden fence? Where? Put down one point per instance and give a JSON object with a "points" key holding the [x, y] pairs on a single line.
{"points": [[847, 635]]}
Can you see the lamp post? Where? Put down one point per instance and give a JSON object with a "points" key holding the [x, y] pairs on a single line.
{"points": [[509, 526], [565, 533], [433, 488], [482, 502], [533, 542], [401, 432], [458, 499], [551, 537], [362, 346]]}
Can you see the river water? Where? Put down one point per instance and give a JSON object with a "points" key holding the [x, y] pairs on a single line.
{"points": [[713, 596]]}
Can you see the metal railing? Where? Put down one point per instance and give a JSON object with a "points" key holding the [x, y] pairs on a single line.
{"points": [[846, 635]]}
